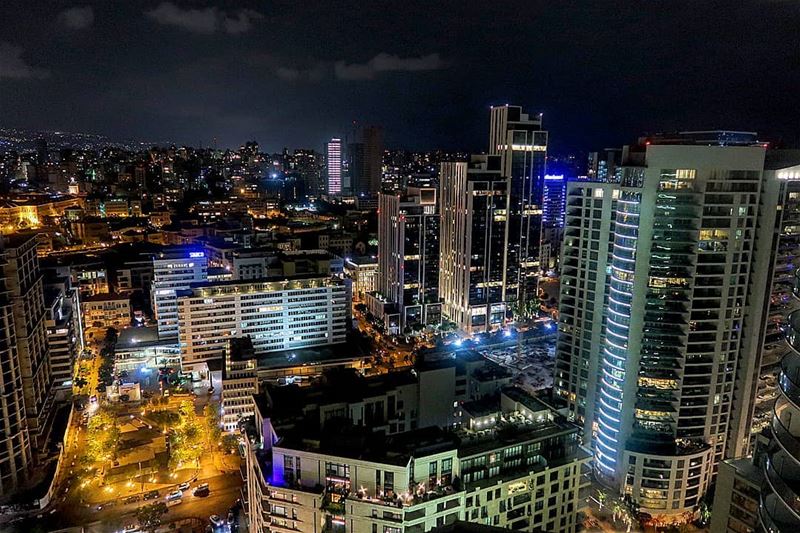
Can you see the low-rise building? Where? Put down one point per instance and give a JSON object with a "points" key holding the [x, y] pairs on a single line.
{"points": [[363, 271], [108, 310], [335, 454]]}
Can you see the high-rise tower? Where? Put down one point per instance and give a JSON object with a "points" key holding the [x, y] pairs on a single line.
{"points": [[521, 143], [334, 157], [662, 313], [474, 204], [408, 255]]}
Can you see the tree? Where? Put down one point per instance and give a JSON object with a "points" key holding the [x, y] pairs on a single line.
{"points": [[186, 440], [601, 497], [213, 423], [149, 516], [103, 435]]}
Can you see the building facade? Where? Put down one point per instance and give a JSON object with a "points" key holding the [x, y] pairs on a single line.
{"points": [[278, 314], [408, 257], [663, 313], [363, 473], [16, 457], [334, 164], [107, 311], [472, 265], [25, 283], [521, 143], [174, 269]]}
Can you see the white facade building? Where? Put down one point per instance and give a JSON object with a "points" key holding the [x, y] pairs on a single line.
{"points": [[277, 315], [174, 269]]}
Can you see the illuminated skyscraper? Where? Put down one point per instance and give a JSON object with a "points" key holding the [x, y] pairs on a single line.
{"points": [[408, 258], [521, 143], [662, 311], [334, 153], [474, 202]]}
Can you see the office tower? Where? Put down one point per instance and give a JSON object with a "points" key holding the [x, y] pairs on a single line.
{"points": [[334, 157], [277, 314], [15, 447], [174, 269], [663, 378], [555, 188], [356, 181], [390, 452], [373, 159], [24, 283], [408, 258], [521, 143], [472, 265]]}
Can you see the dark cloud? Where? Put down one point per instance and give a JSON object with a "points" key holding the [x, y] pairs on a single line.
{"points": [[384, 62], [77, 18], [13, 66], [602, 72], [205, 21]]}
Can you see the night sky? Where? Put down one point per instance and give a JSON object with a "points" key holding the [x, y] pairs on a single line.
{"points": [[294, 73]]}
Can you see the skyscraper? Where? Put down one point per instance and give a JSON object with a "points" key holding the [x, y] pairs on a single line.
{"points": [[662, 312], [472, 268], [555, 188], [25, 286], [15, 446], [373, 159], [334, 157], [408, 256], [521, 143]]}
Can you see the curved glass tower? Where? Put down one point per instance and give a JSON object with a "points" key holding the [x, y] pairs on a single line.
{"points": [[779, 510]]}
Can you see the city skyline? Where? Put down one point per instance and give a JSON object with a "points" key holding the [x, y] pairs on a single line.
{"points": [[193, 73]]}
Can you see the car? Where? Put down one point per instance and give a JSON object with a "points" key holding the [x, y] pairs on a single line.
{"points": [[231, 517], [152, 495], [133, 499], [173, 503], [131, 528], [201, 490], [174, 495], [184, 486], [216, 520]]}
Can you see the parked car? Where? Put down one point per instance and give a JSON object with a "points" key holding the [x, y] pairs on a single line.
{"points": [[216, 520], [184, 486], [152, 495], [173, 503]]}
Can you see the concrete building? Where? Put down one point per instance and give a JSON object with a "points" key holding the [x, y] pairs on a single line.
{"points": [[107, 311], [239, 382], [363, 272], [174, 269], [738, 492], [64, 333], [25, 285], [472, 266], [521, 143], [369, 454], [276, 313], [663, 312], [407, 292], [16, 457]]}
